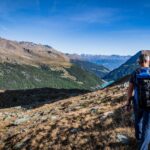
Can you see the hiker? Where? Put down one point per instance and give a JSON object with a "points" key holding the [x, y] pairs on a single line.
{"points": [[140, 84]]}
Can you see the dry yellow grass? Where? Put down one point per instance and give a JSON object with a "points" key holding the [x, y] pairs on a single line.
{"points": [[90, 121]]}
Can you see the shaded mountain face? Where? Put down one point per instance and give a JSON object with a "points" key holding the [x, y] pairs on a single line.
{"points": [[98, 70], [111, 62], [26, 65], [125, 69]]}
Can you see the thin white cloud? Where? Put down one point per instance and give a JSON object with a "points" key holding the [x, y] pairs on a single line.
{"points": [[103, 16]]}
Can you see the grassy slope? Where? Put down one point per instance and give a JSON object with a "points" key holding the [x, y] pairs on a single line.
{"points": [[91, 121], [84, 76], [14, 76], [98, 70]]}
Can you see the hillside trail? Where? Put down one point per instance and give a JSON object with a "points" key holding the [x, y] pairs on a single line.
{"points": [[91, 121]]}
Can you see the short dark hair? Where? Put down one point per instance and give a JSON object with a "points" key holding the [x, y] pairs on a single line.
{"points": [[143, 58]]}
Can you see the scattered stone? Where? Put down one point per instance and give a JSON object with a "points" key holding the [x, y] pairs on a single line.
{"points": [[74, 130], [44, 118], [1, 114], [94, 109], [22, 120], [6, 117], [122, 138], [73, 108], [53, 118], [41, 113], [107, 114], [22, 143], [18, 107]]}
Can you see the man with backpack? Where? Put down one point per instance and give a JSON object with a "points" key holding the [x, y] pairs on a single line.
{"points": [[140, 84]]}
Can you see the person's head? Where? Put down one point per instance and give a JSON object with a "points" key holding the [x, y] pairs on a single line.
{"points": [[144, 60]]}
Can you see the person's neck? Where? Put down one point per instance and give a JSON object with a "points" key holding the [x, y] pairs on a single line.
{"points": [[145, 66]]}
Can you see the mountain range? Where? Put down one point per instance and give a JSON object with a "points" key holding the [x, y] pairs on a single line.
{"points": [[108, 61], [26, 65], [125, 69]]}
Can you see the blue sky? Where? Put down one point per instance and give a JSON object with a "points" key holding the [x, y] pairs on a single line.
{"points": [[79, 26]]}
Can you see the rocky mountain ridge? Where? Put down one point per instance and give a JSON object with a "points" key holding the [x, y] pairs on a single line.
{"points": [[125, 69], [109, 61], [30, 53]]}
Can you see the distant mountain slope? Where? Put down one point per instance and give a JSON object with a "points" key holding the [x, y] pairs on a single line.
{"points": [[127, 68], [26, 65], [98, 70], [30, 53], [110, 61], [14, 76]]}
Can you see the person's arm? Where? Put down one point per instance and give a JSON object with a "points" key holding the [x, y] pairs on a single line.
{"points": [[129, 97], [129, 94]]}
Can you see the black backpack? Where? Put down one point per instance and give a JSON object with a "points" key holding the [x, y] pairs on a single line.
{"points": [[143, 88]]}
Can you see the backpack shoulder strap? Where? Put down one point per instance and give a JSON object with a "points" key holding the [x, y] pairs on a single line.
{"points": [[145, 73], [137, 72]]}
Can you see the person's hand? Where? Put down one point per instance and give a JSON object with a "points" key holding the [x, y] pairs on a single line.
{"points": [[127, 107]]}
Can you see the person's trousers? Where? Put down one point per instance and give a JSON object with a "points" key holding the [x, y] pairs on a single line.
{"points": [[138, 121], [142, 128], [145, 137]]}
